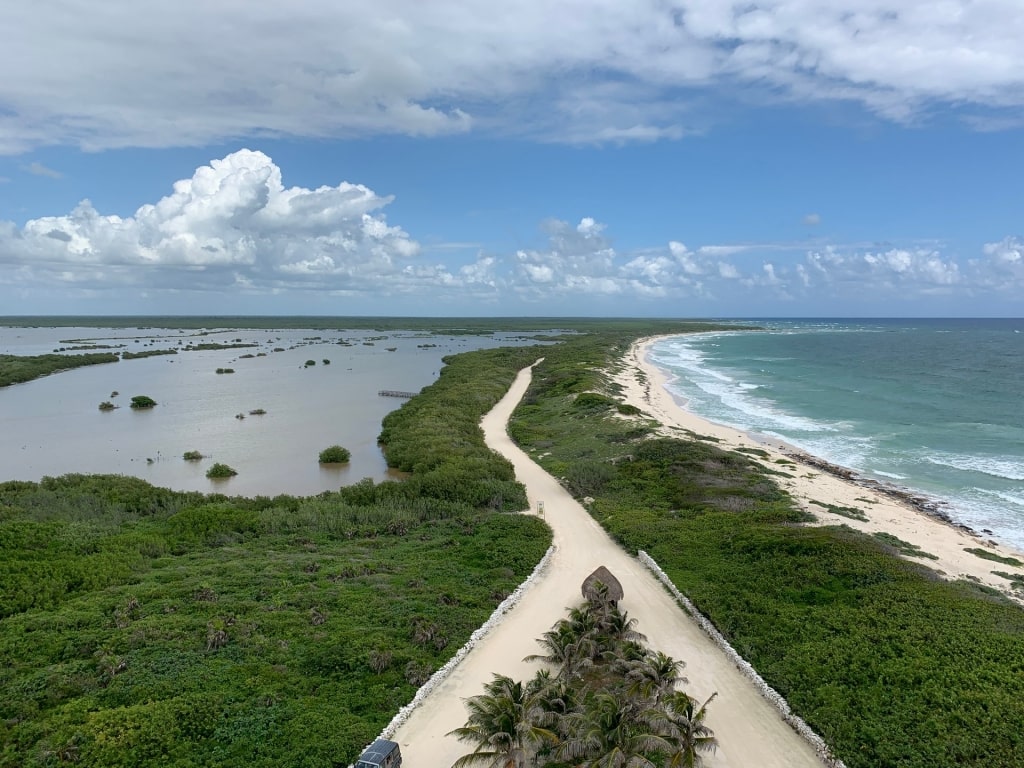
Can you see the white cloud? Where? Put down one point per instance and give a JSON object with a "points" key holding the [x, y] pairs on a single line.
{"points": [[232, 224], [1002, 267], [195, 72], [234, 229], [38, 169], [812, 219]]}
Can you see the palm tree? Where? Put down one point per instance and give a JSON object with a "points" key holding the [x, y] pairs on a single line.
{"points": [[682, 726], [570, 647], [503, 723], [653, 676], [612, 734]]}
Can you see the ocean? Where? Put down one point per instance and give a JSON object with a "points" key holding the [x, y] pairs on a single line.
{"points": [[933, 406]]}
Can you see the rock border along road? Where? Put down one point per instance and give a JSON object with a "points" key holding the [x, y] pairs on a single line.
{"points": [[750, 731]]}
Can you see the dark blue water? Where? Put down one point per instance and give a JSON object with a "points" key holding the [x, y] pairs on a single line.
{"points": [[931, 405]]}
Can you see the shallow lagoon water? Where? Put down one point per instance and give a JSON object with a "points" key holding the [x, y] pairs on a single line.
{"points": [[53, 425]]}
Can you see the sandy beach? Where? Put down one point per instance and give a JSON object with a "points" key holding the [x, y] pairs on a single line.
{"points": [[750, 731], [889, 511]]}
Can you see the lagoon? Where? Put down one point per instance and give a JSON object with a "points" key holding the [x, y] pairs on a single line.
{"points": [[53, 426]]}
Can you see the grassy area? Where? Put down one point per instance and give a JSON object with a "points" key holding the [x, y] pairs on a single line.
{"points": [[984, 554], [892, 665], [17, 369], [903, 547], [851, 512], [146, 627]]}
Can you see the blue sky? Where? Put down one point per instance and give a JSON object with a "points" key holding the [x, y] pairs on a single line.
{"points": [[537, 157]]}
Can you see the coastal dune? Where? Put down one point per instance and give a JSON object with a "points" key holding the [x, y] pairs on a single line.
{"points": [[809, 480], [750, 731]]}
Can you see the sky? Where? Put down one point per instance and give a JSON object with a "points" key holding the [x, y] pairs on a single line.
{"points": [[669, 158]]}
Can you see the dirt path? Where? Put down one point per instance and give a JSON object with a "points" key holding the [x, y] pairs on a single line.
{"points": [[749, 730]]}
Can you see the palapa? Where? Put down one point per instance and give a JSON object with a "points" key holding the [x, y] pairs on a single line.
{"points": [[602, 586]]}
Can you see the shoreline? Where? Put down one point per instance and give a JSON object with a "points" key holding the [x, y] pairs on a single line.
{"points": [[818, 486]]}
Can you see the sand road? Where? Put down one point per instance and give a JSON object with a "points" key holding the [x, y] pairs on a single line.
{"points": [[749, 730]]}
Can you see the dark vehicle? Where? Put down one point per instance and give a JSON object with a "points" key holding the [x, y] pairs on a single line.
{"points": [[381, 754]]}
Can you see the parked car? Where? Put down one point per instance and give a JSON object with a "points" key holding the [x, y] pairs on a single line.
{"points": [[381, 754]]}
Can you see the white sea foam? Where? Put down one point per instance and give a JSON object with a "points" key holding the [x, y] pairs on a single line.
{"points": [[721, 397], [890, 475], [977, 508], [1008, 467], [1015, 497]]}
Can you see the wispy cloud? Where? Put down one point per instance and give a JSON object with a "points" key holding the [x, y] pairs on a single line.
{"points": [[38, 169], [614, 72]]}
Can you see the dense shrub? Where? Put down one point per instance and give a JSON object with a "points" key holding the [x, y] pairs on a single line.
{"points": [[15, 369], [220, 470], [141, 402], [335, 454]]}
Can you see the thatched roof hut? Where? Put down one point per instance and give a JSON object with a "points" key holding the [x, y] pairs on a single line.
{"points": [[602, 586]]}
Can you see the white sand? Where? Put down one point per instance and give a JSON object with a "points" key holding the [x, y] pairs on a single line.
{"points": [[750, 731], [645, 387]]}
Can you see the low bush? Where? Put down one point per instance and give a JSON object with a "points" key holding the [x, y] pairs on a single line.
{"points": [[220, 470], [335, 455], [142, 402]]}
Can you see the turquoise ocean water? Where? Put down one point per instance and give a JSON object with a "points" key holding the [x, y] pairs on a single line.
{"points": [[934, 406]]}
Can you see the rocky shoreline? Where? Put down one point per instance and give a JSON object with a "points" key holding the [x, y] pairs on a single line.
{"points": [[923, 504]]}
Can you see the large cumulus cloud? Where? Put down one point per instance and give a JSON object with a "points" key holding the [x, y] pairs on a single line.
{"points": [[233, 224], [234, 228]]}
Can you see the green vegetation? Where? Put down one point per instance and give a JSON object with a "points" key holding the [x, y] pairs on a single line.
{"points": [[142, 402], [335, 455], [147, 353], [865, 646], [851, 512], [984, 554], [310, 363], [225, 370], [612, 702], [16, 369], [1016, 579], [145, 627], [219, 471], [192, 456], [326, 361], [257, 412], [903, 547], [209, 345], [106, 405]]}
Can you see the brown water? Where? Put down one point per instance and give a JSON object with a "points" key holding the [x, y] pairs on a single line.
{"points": [[53, 426]]}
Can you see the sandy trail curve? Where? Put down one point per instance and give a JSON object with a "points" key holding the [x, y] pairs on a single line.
{"points": [[749, 730]]}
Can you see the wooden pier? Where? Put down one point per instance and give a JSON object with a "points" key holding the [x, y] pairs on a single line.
{"points": [[396, 393]]}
